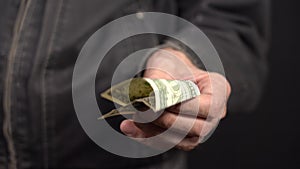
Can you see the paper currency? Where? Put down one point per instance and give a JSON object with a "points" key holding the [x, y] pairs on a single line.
{"points": [[141, 94]]}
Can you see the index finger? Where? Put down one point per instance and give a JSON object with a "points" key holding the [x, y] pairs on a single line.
{"points": [[198, 106]]}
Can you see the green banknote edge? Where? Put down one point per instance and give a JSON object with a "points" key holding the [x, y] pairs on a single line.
{"points": [[164, 91]]}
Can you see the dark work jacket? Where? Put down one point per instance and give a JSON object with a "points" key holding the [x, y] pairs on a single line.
{"points": [[40, 41]]}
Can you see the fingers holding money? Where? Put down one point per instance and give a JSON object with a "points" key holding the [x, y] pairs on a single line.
{"points": [[189, 122], [214, 90], [177, 123], [139, 130], [176, 136], [201, 106], [197, 107], [194, 127]]}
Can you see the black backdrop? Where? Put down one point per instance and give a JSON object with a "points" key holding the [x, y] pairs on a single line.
{"points": [[269, 137]]}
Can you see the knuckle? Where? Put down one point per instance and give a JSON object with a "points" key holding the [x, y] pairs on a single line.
{"points": [[206, 129], [206, 107], [165, 120], [224, 114], [196, 130], [193, 142]]}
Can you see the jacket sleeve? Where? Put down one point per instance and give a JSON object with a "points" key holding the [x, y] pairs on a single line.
{"points": [[239, 30]]}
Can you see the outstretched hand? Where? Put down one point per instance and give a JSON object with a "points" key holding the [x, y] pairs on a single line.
{"points": [[197, 117]]}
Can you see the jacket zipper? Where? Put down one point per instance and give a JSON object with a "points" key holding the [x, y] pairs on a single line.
{"points": [[7, 128]]}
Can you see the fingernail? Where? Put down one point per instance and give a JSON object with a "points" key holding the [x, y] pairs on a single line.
{"points": [[128, 128]]}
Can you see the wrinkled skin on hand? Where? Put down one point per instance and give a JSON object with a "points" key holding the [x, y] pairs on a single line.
{"points": [[198, 117]]}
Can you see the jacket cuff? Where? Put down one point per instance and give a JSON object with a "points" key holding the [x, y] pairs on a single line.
{"points": [[173, 45]]}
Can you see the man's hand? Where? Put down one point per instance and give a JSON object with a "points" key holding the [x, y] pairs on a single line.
{"points": [[197, 117]]}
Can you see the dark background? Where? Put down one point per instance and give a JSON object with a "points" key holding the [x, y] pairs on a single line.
{"points": [[270, 136]]}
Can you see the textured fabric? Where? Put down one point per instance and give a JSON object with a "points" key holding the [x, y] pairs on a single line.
{"points": [[40, 127]]}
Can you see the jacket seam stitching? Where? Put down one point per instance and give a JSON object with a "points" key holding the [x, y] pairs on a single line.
{"points": [[44, 97]]}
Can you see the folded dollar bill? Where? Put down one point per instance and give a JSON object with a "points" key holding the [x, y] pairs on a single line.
{"points": [[141, 94]]}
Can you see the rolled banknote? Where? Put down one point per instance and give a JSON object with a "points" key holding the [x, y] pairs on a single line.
{"points": [[141, 94]]}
